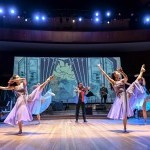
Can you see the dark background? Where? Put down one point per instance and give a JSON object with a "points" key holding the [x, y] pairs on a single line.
{"points": [[119, 5]]}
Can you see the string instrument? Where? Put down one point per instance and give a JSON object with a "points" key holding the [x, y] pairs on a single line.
{"points": [[85, 89]]}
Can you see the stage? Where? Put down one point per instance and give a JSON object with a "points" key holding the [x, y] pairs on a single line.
{"points": [[65, 134]]}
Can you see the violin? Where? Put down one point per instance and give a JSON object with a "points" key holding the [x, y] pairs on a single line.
{"points": [[84, 89]]}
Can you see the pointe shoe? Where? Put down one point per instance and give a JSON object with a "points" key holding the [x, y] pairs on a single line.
{"points": [[38, 122], [50, 78], [124, 130], [19, 133]]}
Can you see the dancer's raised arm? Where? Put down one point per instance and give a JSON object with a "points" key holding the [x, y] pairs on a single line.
{"points": [[16, 80], [105, 74], [125, 77], [6, 88], [141, 72]]}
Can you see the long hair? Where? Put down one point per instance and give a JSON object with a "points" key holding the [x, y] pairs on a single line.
{"points": [[12, 78], [113, 77]]}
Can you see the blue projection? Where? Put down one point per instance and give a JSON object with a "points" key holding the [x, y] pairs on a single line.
{"points": [[68, 72]]}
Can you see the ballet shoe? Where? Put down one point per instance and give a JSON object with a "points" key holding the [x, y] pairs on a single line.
{"points": [[19, 133]]}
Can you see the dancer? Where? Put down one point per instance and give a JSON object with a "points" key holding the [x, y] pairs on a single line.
{"points": [[20, 111], [121, 108], [81, 100], [139, 96], [145, 103], [41, 103], [146, 100]]}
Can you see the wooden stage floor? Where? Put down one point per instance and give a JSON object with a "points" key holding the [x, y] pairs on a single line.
{"points": [[65, 134]]}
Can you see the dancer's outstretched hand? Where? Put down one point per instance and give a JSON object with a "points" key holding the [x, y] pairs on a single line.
{"points": [[120, 69], [99, 66], [143, 68]]}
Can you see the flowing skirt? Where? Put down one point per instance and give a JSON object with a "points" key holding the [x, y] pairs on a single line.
{"points": [[137, 100], [46, 100], [20, 112], [38, 103], [34, 102], [120, 108]]}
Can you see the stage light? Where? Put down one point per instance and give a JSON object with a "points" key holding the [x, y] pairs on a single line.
{"points": [[73, 21], [37, 18], [26, 20], [108, 14], [43, 18], [108, 22], [18, 17], [147, 19], [12, 11], [97, 19], [97, 14], [80, 19], [1, 11]]}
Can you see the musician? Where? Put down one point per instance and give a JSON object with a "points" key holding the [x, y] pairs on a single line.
{"points": [[103, 93], [81, 100]]}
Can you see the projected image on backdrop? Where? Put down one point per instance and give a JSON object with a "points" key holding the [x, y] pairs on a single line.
{"points": [[68, 72]]}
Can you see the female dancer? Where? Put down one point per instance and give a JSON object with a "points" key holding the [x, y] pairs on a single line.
{"points": [[146, 107], [121, 108], [20, 111], [139, 96], [41, 102]]}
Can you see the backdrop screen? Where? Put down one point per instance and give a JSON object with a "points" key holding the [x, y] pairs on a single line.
{"points": [[68, 72]]}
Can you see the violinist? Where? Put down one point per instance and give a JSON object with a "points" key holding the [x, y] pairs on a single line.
{"points": [[81, 100]]}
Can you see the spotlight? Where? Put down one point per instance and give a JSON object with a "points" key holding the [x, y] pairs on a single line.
{"points": [[43, 18], [97, 14], [12, 11], [80, 19], [96, 19], [26, 20], [1, 11], [37, 18], [108, 22], [108, 14], [73, 21], [147, 20]]}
